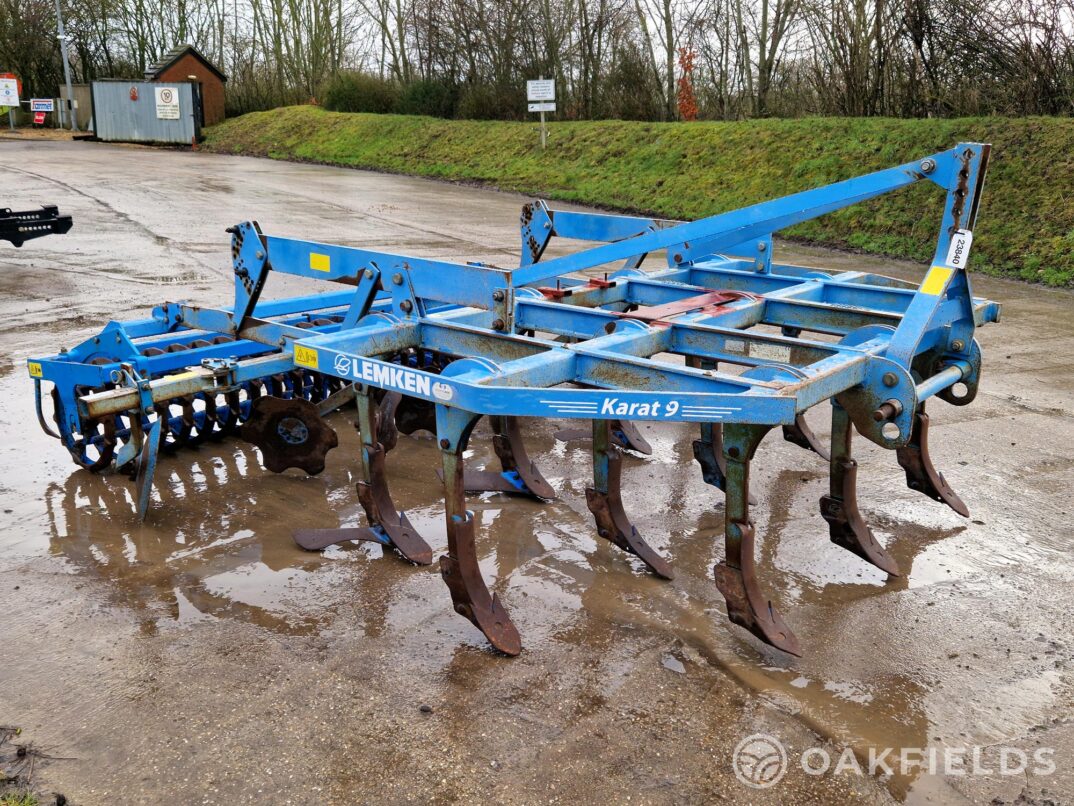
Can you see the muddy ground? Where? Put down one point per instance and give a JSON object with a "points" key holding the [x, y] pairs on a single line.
{"points": [[202, 657]]}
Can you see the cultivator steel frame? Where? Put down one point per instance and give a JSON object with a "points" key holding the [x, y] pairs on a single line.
{"points": [[722, 337]]}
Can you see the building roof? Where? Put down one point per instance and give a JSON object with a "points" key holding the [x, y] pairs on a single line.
{"points": [[174, 55]]}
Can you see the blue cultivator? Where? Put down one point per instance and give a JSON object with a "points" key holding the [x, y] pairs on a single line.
{"points": [[723, 337]]}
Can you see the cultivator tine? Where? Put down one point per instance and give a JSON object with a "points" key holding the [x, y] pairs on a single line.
{"points": [[412, 415], [387, 431], [624, 434], [519, 475], [376, 500], [802, 435], [605, 501], [839, 508], [708, 451], [736, 576], [388, 525], [146, 467], [921, 475], [459, 567]]}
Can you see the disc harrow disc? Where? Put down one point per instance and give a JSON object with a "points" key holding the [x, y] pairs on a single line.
{"points": [[290, 433]]}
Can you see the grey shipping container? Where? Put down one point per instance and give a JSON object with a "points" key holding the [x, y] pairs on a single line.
{"points": [[146, 111]]}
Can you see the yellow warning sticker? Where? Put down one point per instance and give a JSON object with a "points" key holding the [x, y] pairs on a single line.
{"points": [[320, 262], [305, 357], [936, 280], [35, 369], [182, 376]]}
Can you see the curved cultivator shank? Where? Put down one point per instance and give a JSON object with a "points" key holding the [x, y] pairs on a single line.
{"points": [[421, 345]]}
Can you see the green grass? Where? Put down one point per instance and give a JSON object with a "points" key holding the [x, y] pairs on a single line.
{"points": [[25, 799], [1025, 226]]}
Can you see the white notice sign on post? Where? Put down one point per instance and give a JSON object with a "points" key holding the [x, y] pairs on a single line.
{"points": [[543, 106], [167, 103], [542, 89], [9, 92]]}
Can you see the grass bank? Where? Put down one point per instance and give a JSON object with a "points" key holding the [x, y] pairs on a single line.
{"points": [[1025, 227]]}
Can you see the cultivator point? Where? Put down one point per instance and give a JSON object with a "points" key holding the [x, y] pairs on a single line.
{"points": [[722, 338]]}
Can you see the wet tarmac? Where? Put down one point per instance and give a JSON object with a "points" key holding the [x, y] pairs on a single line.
{"points": [[203, 657]]}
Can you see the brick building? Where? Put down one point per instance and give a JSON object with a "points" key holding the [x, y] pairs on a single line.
{"points": [[185, 61]]}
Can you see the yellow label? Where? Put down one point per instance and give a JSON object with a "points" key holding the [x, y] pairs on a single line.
{"points": [[320, 262], [305, 357], [936, 280], [182, 376], [35, 369]]}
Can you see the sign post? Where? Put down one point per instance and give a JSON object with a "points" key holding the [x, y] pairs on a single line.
{"points": [[62, 36], [541, 97]]}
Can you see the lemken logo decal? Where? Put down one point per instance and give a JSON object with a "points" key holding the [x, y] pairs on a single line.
{"points": [[343, 364], [442, 391], [391, 376]]}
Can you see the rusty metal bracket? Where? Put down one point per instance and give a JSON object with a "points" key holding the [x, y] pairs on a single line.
{"points": [[625, 434], [921, 474], [388, 525], [519, 475], [839, 508], [802, 435], [747, 606], [736, 575], [605, 501], [459, 567]]}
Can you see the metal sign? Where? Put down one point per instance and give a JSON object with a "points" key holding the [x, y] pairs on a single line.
{"points": [[42, 105], [9, 92], [167, 103], [39, 118], [543, 106], [542, 89]]}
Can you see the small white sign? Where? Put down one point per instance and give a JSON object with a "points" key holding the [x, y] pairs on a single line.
{"points": [[41, 105], [542, 89], [543, 107], [958, 253], [9, 92], [167, 103]]}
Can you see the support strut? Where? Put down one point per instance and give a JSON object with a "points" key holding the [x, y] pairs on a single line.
{"points": [[387, 525], [839, 508], [921, 475], [605, 501], [459, 567], [736, 576]]}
